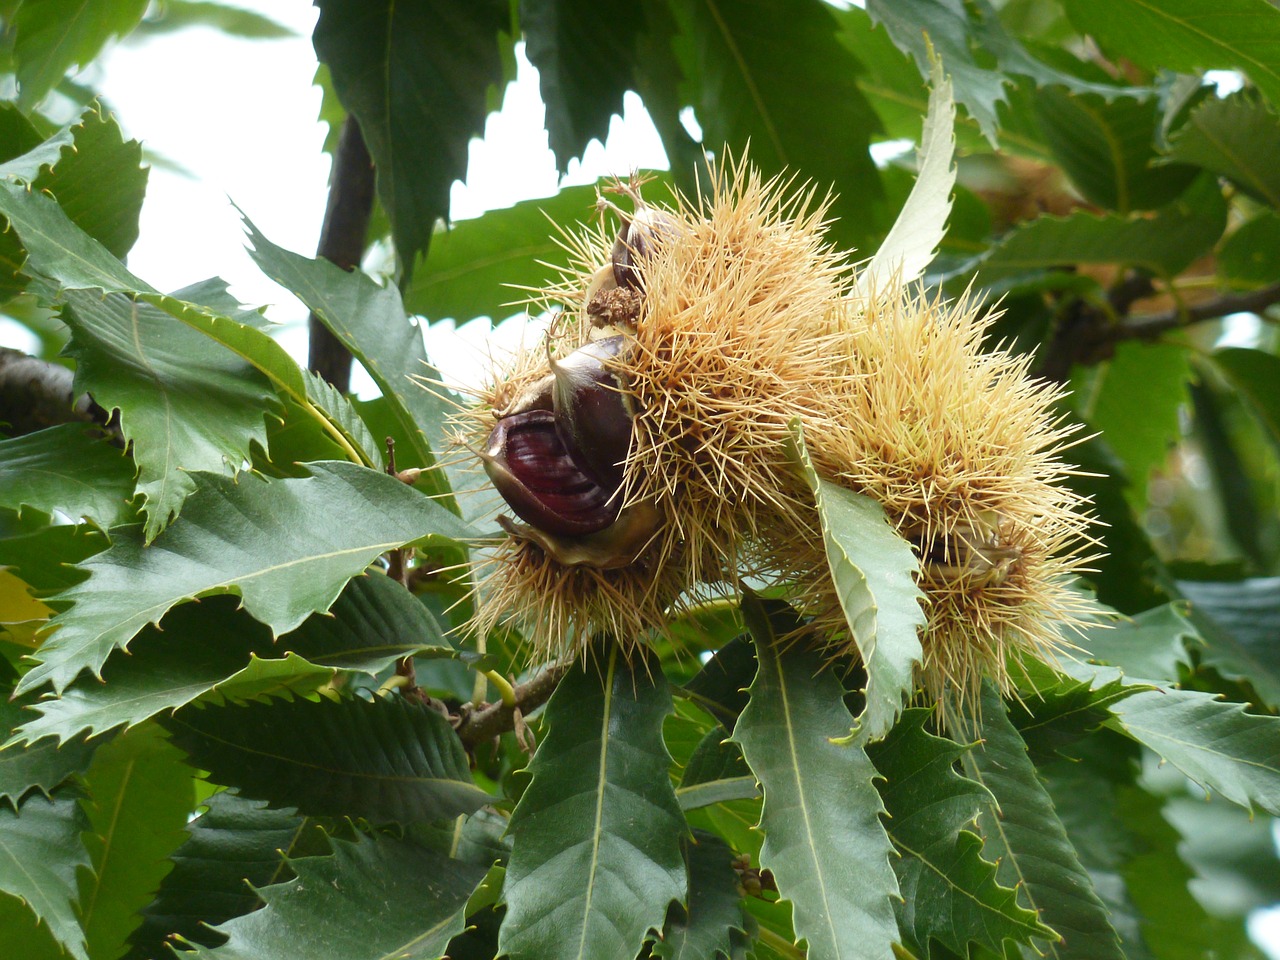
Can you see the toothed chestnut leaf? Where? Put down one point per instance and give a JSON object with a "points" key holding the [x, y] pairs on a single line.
{"points": [[531, 467], [592, 412]]}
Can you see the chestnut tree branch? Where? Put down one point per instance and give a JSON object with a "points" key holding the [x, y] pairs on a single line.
{"points": [[492, 719], [35, 394], [1146, 326], [342, 240], [1087, 334]]}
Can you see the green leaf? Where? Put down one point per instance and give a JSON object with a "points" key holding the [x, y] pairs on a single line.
{"points": [[384, 760], [1232, 850], [1135, 399], [1133, 842], [52, 36], [1255, 375], [60, 250], [65, 468], [253, 538], [1152, 645], [185, 402], [210, 649], [703, 794], [949, 893], [1250, 255], [139, 797], [1025, 836], [595, 855], [232, 21], [45, 557], [100, 183], [371, 900], [720, 687], [477, 267], [874, 572], [1161, 883], [710, 923], [340, 416], [22, 935], [37, 766], [1107, 148], [1188, 36], [28, 152], [1243, 618], [1164, 243], [967, 38], [583, 51], [1214, 742], [1239, 138], [416, 76], [802, 114], [370, 321], [236, 845], [823, 838], [215, 651], [40, 851], [979, 88], [1054, 713]]}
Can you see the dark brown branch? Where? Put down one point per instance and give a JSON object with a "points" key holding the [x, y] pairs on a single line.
{"points": [[35, 394], [1087, 334], [342, 240], [1145, 327], [491, 719]]}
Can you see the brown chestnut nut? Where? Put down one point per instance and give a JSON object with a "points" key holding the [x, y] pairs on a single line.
{"points": [[592, 412], [528, 463], [639, 238]]}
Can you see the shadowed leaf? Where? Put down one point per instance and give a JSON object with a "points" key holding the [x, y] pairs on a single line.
{"points": [[416, 76], [710, 923], [257, 539], [1024, 835], [337, 906], [595, 855], [140, 794], [383, 760], [65, 468], [823, 838], [950, 893], [236, 845], [40, 852]]}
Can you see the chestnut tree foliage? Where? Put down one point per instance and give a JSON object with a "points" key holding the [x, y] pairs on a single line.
{"points": [[239, 719]]}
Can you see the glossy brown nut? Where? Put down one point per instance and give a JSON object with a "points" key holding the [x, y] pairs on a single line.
{"points": [[530, 466], [592, 412], [636, 243]]}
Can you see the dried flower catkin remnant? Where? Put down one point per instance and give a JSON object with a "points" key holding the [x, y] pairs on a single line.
{"points": [[735, 318]]}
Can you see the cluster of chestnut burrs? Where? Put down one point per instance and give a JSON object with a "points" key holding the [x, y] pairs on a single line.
{"points": [[558, 451]]}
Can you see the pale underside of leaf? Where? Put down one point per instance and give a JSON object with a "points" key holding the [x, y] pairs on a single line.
{"points": [[913, 240], [873, 570]]}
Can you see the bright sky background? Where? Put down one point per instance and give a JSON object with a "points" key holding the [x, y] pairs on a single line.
{"points": [[241, 119]]}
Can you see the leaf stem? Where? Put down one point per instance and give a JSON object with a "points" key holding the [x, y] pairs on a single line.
{"points": [[352, 454], [505, 690], [492, 719], [779, 944]]}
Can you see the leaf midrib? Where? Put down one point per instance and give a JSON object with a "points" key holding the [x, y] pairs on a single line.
{"points": [[792, 755], [597, 828]]}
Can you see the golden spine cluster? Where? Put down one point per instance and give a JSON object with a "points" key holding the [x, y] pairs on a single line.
{"points": [[748, 321]]}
